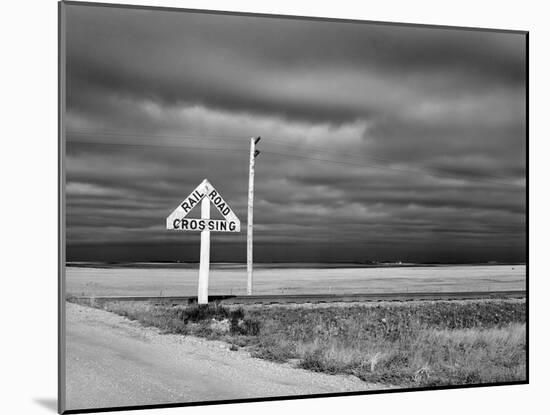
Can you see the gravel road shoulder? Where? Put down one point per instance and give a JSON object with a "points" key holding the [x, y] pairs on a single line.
{"points": [[112, 361]]}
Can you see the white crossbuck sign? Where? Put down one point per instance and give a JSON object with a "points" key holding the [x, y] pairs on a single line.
{"points": [[203, 194], [178, 221]]}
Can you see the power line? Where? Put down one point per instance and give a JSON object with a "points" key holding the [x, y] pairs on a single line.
{"points": [[225, 138], [278, 141], [276, 153], [178, 136], [173, 141], [425, 173], [331, 152], [152, 145]]}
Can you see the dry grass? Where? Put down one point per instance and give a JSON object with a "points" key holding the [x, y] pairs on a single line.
{"points": [[431, 357], [412, 344]]}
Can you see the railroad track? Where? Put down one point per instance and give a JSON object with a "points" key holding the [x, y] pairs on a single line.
{"points": [[313, 298]]}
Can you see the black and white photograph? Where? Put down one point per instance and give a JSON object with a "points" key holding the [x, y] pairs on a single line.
{"points": [[258, 207]]}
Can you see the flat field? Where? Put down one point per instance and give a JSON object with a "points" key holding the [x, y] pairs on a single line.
{"points": [[181, 280]]}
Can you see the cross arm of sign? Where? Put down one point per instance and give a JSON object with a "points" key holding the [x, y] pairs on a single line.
{"points": [[178, 221]]}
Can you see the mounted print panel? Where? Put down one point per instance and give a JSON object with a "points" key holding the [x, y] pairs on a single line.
{"points": [[383, 243]]}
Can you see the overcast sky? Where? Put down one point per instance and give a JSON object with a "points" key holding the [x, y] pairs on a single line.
{"points": [[379, 142]]}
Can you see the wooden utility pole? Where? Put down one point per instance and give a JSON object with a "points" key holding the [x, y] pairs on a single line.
{"points": [[249, 225], [204, 267]]}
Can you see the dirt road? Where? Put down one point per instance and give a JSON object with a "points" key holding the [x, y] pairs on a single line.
{"points": [[112, 361]]}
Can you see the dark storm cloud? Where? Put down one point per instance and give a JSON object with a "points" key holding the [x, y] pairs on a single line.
{"points": [[239, 63], [379, 141]]}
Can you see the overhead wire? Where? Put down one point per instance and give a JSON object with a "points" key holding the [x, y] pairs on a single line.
{"points": [[219, 138]]}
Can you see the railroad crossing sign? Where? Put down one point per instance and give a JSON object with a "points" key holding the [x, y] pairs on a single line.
{"points": [[204, 194], [178, 221]]}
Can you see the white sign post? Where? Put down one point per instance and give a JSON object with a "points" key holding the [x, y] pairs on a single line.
{"points": [[204, 193], [204, 267]]}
